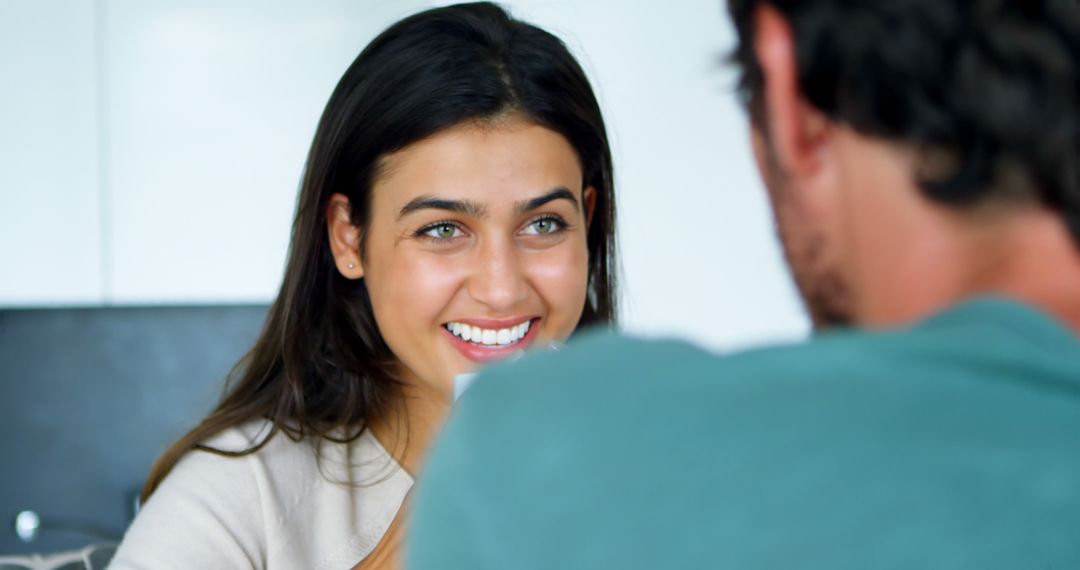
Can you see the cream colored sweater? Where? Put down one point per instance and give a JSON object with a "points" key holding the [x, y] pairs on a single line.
{"points": [[272, 509]]}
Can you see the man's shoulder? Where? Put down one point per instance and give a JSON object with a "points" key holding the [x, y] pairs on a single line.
{"points": [[604, 362], [979, 406], [984, 339], [989, 359]]}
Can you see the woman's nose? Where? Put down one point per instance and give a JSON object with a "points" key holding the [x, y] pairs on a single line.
{"points": [[499, 279]]}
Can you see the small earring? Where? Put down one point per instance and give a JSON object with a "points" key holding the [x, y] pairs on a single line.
{"points": [[351, 265]]}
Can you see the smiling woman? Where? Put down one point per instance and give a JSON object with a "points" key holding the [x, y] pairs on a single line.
{"points": [[457, 207], [476, 246]]}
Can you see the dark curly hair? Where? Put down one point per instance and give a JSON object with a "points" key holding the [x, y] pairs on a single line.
{"points": [[988, 91]]}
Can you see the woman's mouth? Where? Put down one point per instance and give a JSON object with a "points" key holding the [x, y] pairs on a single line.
{"points": [[482, 342]]}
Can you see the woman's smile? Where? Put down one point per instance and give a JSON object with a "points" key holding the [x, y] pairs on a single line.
{"points": [[485, 340]]}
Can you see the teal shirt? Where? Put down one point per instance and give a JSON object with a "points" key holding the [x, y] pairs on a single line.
{"points": [[951, 444]]}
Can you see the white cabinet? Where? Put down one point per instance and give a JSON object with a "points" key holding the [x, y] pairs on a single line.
{"points": [[50, 200], [150, 152], [211, 109]]}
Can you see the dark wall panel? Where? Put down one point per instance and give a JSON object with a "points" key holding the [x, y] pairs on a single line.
{"points": [[90, 397]]}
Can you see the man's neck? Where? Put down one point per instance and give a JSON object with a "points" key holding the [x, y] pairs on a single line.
{"points": [[1028, 256]]}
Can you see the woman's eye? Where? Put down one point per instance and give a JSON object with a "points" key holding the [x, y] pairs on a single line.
{"points": [[443, 231], [544, 226]]}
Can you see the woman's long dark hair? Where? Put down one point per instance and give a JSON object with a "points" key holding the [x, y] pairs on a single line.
{"points": [[320, 366]]}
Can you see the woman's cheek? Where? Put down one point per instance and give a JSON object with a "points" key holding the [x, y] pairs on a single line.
{"points": [[428, 278], [416, 288], [560, 276]]}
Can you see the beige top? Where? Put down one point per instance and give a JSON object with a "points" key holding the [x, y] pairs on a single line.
{"points": [[272, 509]]}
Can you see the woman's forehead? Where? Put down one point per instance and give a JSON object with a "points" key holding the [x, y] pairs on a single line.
{"points": [[497, 165]]}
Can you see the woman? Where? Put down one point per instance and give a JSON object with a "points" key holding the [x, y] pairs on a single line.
{"points": [[456, 208]]}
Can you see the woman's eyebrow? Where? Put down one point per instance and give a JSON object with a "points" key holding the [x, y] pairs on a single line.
{"points": [[467, 207], [556, 194], [478, 210]]}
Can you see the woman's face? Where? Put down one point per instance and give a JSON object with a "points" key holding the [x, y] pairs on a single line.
{"points": [[476, 247]]}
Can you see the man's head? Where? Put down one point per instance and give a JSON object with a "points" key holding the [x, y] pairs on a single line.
{"points": [[915, 151]]}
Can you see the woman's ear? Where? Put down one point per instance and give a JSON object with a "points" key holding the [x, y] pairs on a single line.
{"points": [[344, 237], [589, 197]]}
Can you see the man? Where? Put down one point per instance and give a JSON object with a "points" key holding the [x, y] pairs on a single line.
{"points": [[923, 162]]}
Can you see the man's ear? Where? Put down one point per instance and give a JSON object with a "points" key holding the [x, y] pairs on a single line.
{"points": [[588, 196], [344, 237], [795, 128]]}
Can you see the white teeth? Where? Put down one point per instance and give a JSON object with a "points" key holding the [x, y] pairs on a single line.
{"points": [[489, 337]]}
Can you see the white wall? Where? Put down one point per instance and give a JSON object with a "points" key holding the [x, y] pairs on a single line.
{"points": [[182, 126], [50, 201], [699, 254], [211, 109]]}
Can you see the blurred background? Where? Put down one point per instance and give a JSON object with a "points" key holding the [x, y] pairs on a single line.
{"points": [[150, 153]]}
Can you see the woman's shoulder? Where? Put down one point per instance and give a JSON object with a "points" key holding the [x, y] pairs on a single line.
{"points": [[242, 437], [296, 501], [352, 456], [330, 500], [214, 479], [206, 513], [238, 474]]}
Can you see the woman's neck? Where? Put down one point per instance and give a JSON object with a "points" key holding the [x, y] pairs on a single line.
{"points": [[408, 427]]}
